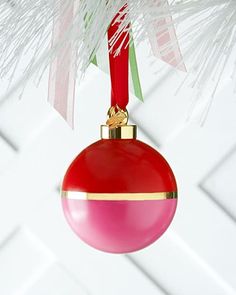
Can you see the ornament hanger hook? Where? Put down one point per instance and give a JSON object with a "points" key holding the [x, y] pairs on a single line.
{"points": [[117, 117]]}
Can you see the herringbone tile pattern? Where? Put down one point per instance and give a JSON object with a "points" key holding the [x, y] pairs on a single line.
{"points": [[40, 255]]}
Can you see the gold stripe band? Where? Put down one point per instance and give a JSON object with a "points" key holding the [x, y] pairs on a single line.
{"points": [[75, 195]]}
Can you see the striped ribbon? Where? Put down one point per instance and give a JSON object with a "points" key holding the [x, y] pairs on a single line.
{"points": [[163, 39], [62, 73], [62, 76]]}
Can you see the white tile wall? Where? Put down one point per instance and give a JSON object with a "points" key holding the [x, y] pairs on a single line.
{"points": [[196, 256], [23, 259], [221, 185], [56, 280], [180, 269], [7, 153]]}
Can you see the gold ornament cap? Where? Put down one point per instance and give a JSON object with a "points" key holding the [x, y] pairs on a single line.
{"points": [[122, 132], [116, 125]]}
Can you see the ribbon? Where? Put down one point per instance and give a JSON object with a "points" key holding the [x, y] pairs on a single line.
{"points": [[62, 75], [62, 68], [163, 39], [119, 64]]}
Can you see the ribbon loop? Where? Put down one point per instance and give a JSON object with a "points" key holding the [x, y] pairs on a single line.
{"points": [[119, 63]]}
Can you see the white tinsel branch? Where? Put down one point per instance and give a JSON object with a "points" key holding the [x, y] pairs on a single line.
{"points": [[208, 38], [26, 25]]}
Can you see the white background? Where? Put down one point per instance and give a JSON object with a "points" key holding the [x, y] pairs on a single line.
{"points": [[40, 255]]}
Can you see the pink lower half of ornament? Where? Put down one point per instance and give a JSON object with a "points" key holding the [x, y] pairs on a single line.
{"points": [[119, 226]]}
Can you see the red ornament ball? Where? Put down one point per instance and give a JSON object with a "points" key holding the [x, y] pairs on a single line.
{"points": [[119, 195]]}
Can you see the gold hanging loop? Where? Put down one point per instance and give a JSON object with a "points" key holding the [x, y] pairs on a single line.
{"points": [[117, 117]]}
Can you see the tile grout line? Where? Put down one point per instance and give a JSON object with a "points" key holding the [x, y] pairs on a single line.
{"points": [[217, 203], [147, 275], [9, 142]]}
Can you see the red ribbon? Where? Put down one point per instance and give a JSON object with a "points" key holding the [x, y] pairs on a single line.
{"points": [[119, 64]]}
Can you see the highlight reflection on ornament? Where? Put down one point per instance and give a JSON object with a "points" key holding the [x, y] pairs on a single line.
{"points": [[119, 195]]}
